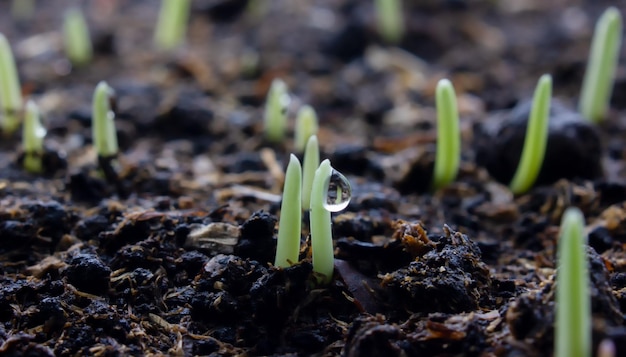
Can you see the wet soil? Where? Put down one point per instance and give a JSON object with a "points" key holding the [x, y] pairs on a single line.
{"points": [[168, 251]]}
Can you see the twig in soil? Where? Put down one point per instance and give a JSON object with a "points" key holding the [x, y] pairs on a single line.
{"points": [[10, 93], [603, 57], [33, 134], [573, 302], [536, 138], [448, 154], [76, 40]]}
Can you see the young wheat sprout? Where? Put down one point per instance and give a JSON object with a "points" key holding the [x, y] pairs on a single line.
{"points": [[290, 224], [76, 39], [306, 125], [33, 134], [310, 165], [103, 123], [390, 21], [603, 57], [448, 154], [536, 138], [10, 91], [276, 111], [331, 193], [172, 23], [573, 304]]}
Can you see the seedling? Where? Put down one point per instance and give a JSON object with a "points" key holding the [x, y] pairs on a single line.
{"points": [[76, 38], [172, 24], [306, 125], [22, 9], [311, 163], [10, 92], [603, 57], [276, 111], [389, 20], [536, 138], [573, 304], [448, 153], [290, 224], [331, 193], [33, 134], [103, 125]]}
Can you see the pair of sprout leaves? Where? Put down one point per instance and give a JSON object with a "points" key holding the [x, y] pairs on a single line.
{"points": [[330, 192]]}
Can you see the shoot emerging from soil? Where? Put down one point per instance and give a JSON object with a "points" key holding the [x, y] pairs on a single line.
{"points": [[290, 224], [331, 193], [536, 138], [573, 305], [276, 111], [448, 154], [10, 91], [390, 21], [172, 24], [306, 125], [78, 48], [603, 57], [33, 134], [310, 165], [103, 123]]}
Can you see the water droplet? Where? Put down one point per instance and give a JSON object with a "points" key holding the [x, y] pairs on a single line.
{"points": [[338, 192]]}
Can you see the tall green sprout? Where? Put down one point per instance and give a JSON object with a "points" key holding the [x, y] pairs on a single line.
{"points": [[290, 224], [306, 125], [331, 193], [103, 123], [276, 111], [172, 24], [536, 139], [321, 232], [448, 153], [10, 91], [573, 303], [76, 39], [390, 21], [310, 165], [603, 57], [33, 134]]}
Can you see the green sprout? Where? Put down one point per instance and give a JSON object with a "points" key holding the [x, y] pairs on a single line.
{"points": [[33, 133], [276, 111], [448, 154], [306, 125], [103, 125], [22, 9], [573, 304], [289, 227], [331, 193], [172, 23], [603, 57], [310, 164], [10, 92], [536, 139], [76, 39], [389, 20]]}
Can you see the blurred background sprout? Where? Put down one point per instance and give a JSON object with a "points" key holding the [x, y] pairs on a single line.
{"points": [[76, 39]]}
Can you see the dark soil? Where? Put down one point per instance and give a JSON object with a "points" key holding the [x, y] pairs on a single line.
{"points": [[169, 250]]}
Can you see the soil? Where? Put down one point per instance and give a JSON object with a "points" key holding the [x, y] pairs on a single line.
{"points": [[168, 251]]}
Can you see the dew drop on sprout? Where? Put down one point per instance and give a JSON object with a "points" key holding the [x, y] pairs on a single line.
{"points": [[338, 192]]}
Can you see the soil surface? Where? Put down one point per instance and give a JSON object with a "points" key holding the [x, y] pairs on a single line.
{"points": [[169, 250]]}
